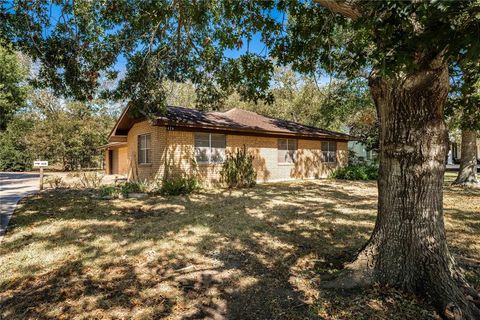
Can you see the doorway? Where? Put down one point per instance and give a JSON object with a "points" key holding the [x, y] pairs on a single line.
{"points": [[110, 161]]}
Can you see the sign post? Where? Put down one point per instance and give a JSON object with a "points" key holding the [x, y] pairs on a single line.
{"points": [[41, 165]]}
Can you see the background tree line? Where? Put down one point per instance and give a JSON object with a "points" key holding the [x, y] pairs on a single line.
{"points": [[37, 125]]}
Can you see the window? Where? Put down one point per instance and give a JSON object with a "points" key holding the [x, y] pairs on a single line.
{"points": [[144, 148], [209, 147], [287, 149], [329, 151]]}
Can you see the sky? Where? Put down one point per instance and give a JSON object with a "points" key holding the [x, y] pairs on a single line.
{"points": [[254, 46]]}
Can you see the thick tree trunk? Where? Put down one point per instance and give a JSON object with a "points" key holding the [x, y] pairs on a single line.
{"points": [[467, 174], [408, 247]]}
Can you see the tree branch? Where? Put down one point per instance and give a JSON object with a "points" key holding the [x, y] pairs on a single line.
{"points": [[345, 8]]}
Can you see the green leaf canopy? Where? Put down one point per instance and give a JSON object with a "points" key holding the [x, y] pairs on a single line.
{"points": [[80, 42]]}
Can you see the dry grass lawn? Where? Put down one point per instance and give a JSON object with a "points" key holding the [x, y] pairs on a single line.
{"points": [[250, 254]]}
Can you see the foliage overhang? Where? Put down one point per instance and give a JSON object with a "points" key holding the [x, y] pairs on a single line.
{"points": [[80, 42]]}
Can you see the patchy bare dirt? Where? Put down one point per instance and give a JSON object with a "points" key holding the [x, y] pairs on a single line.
{"points": [[250, 254]]}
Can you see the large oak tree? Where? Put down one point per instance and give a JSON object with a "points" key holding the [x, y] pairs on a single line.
{"points": [[406, 47]]}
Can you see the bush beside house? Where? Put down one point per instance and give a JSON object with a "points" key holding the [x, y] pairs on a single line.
{"points": [[179, 185], [356, 172], [238, 170]]}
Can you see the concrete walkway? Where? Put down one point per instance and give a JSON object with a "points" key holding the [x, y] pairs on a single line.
{"points": [[13, 187]]}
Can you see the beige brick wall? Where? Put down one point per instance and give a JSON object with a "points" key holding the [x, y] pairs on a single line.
{"points": [[180, 158], [153, 170], [173, 155], [122, 160], [119, 161]]}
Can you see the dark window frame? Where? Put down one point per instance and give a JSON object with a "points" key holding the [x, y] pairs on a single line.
{"points": [[291, 151], [211, 149], [144, 153], [330, 153]]}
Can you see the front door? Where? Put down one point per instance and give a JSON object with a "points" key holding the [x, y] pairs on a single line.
{"points": [[110, 161]]}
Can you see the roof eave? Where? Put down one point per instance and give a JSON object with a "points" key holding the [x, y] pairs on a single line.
{"points": [[117, 138], [112, 145], [167, 123]]}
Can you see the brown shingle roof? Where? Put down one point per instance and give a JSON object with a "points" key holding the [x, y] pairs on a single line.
{"points": [[242, 120]]}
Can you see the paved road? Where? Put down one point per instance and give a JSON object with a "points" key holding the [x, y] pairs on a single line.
{"points": [[13, 187]]}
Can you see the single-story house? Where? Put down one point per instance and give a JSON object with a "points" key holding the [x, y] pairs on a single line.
{"points": [[185, 141]]}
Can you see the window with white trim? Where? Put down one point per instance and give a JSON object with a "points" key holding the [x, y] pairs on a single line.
{"points": [[144, 148], [329, 151], [209, 147], [287, 150]]}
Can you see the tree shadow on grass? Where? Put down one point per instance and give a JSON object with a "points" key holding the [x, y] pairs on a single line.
{"points": [[248, 254]]}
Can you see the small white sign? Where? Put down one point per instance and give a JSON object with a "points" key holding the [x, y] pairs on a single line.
{"points": [[40, 164]]}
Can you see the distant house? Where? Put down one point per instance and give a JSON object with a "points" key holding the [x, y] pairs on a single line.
{"points": [[360, 151], [190, 142]]}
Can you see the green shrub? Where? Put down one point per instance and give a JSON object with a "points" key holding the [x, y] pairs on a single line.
{"points": [[238, 170], [133, 187], [109, 191], [356, 172], [124, 189], [179, 185]]}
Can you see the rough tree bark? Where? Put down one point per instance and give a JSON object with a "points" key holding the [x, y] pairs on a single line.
{"points": [[408, 247], [467, 174]]}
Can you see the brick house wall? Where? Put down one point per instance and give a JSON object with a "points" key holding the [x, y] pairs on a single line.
{"points": [[155, 169], [123, 163], [173, 155], [119, 163]]}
